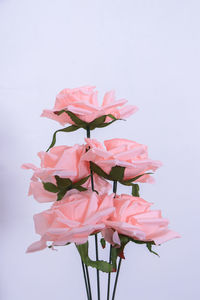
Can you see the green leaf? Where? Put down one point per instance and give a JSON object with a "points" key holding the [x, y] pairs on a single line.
{"points": [[76, 120], [97, 122], [109, 123], [149, 247], [96, 169], [123, 241], [135, 190], [80, 188], [113, 117], [67, 129], [134, 178], [61, 194], [99, 265], [137, 241], [117, 173], [50, 187], [64, 185], [81, 181], [106, 124], [126, 183], [103, 242], [63, 182], [58, 113]]}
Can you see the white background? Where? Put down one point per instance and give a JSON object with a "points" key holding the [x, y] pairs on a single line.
{"points": [[148, 51]]}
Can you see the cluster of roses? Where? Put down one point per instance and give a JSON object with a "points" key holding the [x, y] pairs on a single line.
{"points": [[78, 181]]}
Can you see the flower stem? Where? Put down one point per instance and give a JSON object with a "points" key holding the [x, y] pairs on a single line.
{"points": [[86, 284], [88, 281], [116, 279], [96, 238], [92, 180], [109, 275], [120, 260], [88, 133], [115, 187], [97, 258]]}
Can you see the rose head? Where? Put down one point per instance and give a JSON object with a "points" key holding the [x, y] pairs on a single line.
{"points": [[132, 217], [124, 153], [72, 219], [83, 103], [65, 162]]}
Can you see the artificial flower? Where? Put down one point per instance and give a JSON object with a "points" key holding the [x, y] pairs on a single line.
{"points": [[72, 219], [134, 218], [65, 162], [83, 103], [122, 152]]}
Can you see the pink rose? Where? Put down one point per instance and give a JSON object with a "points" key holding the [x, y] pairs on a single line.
{"points": [[83, 103], [124, 153], [66, 162], [133, 217], [72, 219]]}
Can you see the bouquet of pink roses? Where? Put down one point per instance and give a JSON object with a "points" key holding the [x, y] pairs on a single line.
{"points": [[78, 181]]}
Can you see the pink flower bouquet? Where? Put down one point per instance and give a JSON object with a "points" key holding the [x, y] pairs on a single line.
{"points": [[78, 181]]}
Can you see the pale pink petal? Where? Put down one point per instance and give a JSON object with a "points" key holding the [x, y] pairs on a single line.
{"points": [[107, 234], [109, 97], [127, 111], [101, 185], [133, 217], [62, 119], [131, 153], [40, 194], [115, 104], [116, 238], [164, 237], [36, 246], [93, 143], [43, 221], [74, 218], [114, 143], [100, 216], [29, 166]]}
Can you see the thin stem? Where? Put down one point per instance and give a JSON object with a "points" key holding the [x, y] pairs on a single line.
{"points": [[86, 284], [115, 187], [109, 275], [96, 238], [116, 279], [88, 281], [97, 258], [92, 180], [119, 265], [88, 133]]}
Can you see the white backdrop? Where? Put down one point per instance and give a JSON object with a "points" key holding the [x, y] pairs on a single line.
{"points": [[148, 51]]}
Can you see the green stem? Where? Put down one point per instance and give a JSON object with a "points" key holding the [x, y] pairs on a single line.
{"points": [[116, 279]]}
